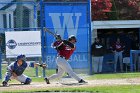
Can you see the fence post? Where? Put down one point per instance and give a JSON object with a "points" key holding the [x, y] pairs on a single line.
{"points": [[42, 36], [36, 68], [89, 21], [0, 65], [9, 61]]}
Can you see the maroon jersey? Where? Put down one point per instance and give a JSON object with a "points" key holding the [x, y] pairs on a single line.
{"points": [[118, 47], [64, 49], [56, 44]]}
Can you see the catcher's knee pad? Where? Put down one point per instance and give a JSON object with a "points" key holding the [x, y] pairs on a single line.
{"points": [[28, 81]]}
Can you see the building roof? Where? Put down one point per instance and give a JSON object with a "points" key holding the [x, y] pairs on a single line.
{"points": [[115, 24], [8, 5]]}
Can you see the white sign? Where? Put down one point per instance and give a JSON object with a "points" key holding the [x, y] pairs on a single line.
{"points": [[23, 42]]}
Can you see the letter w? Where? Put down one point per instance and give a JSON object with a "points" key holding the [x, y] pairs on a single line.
{"points": [[65, 20]]}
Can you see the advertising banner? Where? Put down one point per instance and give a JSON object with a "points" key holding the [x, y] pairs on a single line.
{"points": [[23, 42]]}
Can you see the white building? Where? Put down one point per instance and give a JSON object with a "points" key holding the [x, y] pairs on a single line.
{"points": [[10, 19]]}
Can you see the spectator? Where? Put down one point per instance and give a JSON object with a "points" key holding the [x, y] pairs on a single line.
{"points": [[117, 49], [135, 46], [98, 51]]}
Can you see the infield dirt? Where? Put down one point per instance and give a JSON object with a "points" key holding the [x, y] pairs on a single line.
{"points": [[69, 82]]}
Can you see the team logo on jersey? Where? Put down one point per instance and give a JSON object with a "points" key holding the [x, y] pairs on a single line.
{"points": [[11, 44]]}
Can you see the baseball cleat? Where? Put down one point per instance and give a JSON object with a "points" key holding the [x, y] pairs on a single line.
{"points": [[4, 83], [47, 80], [82, 81]]}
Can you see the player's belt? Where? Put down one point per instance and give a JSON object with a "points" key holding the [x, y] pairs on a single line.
{"points": [[62, 57]]}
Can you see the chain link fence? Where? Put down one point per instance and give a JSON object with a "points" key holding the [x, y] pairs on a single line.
{"points": [[18, 15], [21, 16]]}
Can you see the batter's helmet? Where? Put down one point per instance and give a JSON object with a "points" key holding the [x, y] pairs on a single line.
{"points": [[72, 37], [58, 36]]}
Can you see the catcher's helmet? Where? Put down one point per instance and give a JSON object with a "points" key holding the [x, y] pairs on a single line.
{"points": [[21, 57], [72, 37]]}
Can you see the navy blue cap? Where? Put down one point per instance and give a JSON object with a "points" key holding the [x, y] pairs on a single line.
{"points": [[21, 57]]}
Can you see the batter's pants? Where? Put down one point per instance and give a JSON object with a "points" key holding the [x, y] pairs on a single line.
{"points": [[64, 66]]}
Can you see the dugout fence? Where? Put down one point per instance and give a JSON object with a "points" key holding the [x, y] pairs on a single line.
{"points": [[17, 16], [29, 16]]}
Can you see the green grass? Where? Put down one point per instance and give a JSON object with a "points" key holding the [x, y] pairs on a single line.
{"points": [[94, 89], [31, 72], [114, 76], [99, 89]]}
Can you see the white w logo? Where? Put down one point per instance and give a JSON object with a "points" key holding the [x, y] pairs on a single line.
{"points": [[68, 20]]}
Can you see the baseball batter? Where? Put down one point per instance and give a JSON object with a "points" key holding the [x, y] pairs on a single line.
{"points": [[15, 71], [65, 49]]}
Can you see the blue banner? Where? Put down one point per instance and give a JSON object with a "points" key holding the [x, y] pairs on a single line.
{"points": [[68, 20]]}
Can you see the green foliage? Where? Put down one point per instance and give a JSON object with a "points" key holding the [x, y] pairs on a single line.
{"points": [[115, 9]]}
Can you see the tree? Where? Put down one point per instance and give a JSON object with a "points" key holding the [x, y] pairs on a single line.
{"points": [[100, 8], [115, 9], [128, 9]]}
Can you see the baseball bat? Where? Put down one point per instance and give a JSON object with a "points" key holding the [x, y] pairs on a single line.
{"points": [[49, 31]]}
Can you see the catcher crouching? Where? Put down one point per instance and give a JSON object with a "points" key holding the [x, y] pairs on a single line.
{"points": [[15, 70]]}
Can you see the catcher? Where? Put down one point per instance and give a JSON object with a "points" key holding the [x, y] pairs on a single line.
{"points": [[15, 70]]}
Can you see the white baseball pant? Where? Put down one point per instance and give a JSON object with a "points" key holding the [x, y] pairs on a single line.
{"points": [[64, 66], [97, 64], [22, 78]]}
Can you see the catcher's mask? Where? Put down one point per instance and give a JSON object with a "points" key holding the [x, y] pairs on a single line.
{"points": [[21, 57]]}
